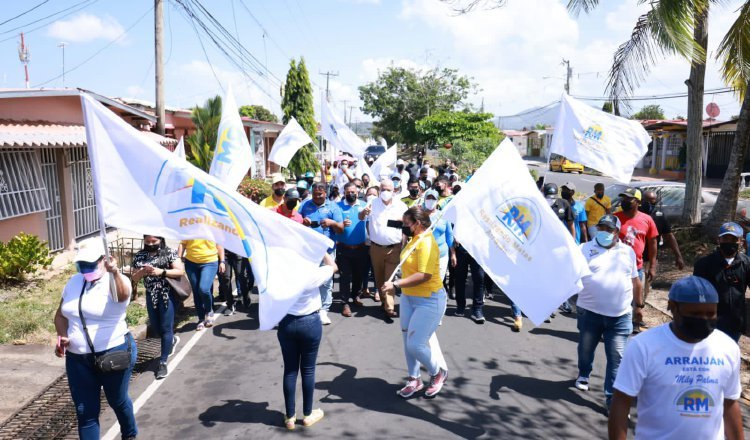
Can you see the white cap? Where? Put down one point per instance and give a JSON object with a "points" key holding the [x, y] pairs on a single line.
{"points": [[400, 162], [90, 250], [277, 177]]}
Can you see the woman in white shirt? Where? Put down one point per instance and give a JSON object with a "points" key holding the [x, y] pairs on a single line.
{"points": [[103, 326], [300, 332]]}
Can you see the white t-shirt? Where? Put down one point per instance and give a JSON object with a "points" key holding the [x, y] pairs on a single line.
{"points": [[342, 180], [680, 386], [608, 290], [380, 232], [310, 302], [105, 318]]}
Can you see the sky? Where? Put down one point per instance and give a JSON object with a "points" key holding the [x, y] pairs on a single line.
{"points": [[513, 53]]}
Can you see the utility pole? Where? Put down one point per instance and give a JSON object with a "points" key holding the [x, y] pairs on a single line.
{"points": [[328, 76], [25, 57], [351, 107], [345, 101], [159, 64], [568, 74], [62, 46]]}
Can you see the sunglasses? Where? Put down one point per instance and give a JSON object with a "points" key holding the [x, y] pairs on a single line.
{"points": [[88, 266]]}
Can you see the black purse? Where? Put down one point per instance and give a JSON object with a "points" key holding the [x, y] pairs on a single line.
{"points": [[110, 362]]}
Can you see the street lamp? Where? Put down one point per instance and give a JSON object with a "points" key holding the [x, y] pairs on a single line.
{"points": [[62, 46]]}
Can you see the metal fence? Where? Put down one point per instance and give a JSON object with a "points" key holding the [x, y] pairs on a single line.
{"points": [[22, 189], [84, 203], [55, 238]]}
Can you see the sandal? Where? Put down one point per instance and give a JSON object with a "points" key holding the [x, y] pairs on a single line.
{"points": [[289, 422], [210, 321], [200, 327]]}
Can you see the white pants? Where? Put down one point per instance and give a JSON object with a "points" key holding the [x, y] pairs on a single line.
{"points": [[444, 266]]}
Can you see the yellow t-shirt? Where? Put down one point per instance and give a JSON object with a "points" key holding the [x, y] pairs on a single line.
{"points": [[200, 251], [269, 202], [594, 211], [424, 259]]}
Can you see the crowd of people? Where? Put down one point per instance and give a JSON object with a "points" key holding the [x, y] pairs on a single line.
{"points": [[383, 225]]}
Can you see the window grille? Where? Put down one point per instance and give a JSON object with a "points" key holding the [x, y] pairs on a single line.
{"points": [[22, 188]]}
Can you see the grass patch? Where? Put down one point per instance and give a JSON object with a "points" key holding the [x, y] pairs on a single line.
{"points": [[745, 194], [136, 314]]}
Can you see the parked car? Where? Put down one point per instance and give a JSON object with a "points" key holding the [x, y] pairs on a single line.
{"points": [[671, 197], [374, 151], [563, 165]]}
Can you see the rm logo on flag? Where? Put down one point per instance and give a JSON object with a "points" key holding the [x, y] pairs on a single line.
{"points": [[521, 218]]}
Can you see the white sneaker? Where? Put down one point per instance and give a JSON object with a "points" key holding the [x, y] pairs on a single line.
{"points": [[582, 383], [324, 317]]}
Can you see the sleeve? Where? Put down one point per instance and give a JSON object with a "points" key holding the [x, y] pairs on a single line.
{"points": [[138, 260], [733, 387], [632, 371], [633, 262], [652, 232], [449, 234], [569, 214], [422, 254], [582, 217]]}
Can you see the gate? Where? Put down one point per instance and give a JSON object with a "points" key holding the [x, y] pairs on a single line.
{"points": [[84, 203], [55, 238]]}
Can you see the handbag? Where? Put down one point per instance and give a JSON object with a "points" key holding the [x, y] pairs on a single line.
{"points": [[181, 287], [110, 362]]}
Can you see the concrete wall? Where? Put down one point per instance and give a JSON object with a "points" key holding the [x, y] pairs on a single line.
{"points": [[35, 224], [57, 109]]}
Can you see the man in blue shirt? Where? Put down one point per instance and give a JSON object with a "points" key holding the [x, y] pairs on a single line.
{"points": [[579, 213], [323, 216], [351, 253]]}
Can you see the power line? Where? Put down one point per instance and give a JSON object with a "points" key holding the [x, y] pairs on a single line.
{"points": [[24, 13], [85, 4], [656, 97]]}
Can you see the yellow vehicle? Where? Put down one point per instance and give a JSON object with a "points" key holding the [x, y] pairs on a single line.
{"points": [[563, 165]]}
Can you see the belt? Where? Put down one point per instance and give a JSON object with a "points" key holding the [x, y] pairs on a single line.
{"points": [[388, 246], [356, 246]]}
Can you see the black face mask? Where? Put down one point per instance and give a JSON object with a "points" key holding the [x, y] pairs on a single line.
{"points": [[627, 205], [729, 250], [151, 247], [566, 195], [647, 207], [696, 328], [599, 196], [407, 231], [291, 204], [361, 195], [279, 191], [400, 168], [414, 192], [351, 198]]}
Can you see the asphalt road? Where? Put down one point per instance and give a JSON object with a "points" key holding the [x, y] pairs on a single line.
{"points": [[584, 182]]}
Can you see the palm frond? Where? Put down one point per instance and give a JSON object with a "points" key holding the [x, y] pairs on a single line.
{"points": [[577, 6], [734, 52], [673, 25]]}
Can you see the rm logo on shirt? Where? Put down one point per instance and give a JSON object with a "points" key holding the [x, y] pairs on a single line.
{"points": [[695, 402]]}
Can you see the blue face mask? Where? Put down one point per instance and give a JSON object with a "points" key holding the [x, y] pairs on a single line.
{"points": [[605, 239]]}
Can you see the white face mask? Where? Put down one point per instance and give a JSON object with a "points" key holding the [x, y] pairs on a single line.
{"points": [[386, 195], [370, 198], [344, 166], [430, 204]]}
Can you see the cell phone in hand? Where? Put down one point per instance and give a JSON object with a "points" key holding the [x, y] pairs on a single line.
{"points": [[60, 348], [314, 224], [398, 224]]}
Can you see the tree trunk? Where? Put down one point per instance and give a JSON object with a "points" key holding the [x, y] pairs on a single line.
{"points": [[691, 212], [726, 203]]}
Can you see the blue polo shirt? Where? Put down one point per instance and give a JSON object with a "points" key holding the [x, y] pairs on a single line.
{"points": [[317, 213], [356, 233]]}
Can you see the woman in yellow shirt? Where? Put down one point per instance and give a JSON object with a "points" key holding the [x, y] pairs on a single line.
{"points": [[203, 259], [422, 303]]}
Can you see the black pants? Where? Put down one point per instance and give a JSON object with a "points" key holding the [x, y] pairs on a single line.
{"points": [[352, 264], [243, 275], [464, 263]]}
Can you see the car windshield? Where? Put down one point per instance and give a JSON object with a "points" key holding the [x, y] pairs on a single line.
{"points": [[376, 149]]}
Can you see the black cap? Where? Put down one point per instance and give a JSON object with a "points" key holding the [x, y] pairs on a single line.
{"points": [[550, 190], [609, 221], [292, 193], [633, 193]]}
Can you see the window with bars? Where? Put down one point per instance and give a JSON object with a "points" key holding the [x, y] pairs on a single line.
{"points": [[22, 189]]}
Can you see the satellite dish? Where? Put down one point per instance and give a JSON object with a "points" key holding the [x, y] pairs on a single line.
{"points": [[712, 109]]}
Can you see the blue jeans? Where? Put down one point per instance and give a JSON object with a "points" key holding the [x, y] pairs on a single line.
{"points": [[615, 330], [420, 317], [85, 387], [201, 276], [161, 319], [326, 290], [299, 337], [515, 310]]}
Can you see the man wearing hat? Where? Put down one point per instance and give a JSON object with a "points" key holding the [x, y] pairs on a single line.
{"points": [[685, 375], [604, 305], [289, 208], [568, 190], [638, 230], [401, 168], [728, 270], [278, 185], [304, 191]]}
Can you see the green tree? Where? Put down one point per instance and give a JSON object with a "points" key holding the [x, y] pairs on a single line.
{"points": [[298, 103], [607, 107], [447, 127], [469, 155], [652, 111], [203, 141], [258, 112], [400, 97]]}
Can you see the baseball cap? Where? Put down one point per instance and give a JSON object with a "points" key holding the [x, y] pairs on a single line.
{"points": [[431, 192], [89, 250], [277, 177], [569, 185], [292, 193], [309, 174], [395, 176], [731, 228], [400, 162], [693, 289], [610, 221], [550, 190], [302, 184], [633, 193]]}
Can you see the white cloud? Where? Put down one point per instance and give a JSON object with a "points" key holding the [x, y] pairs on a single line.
{"points": [[623, 18], [86, 27]]}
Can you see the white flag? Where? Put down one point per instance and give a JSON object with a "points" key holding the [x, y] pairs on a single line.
{"points": [[233, 156], [292, 138], [505, 223], [602, 141], [179, 150], [144, 188], [339, 134], [383, 167]]}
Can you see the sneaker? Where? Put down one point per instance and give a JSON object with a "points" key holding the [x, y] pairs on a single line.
{"points": [[566, 308], [324, 319], [210, 320], [436, 383], [413, 385], [459, 312], [315, 416], [229, 311], [290, 422], [582, 383], [162, 371], [200, 326], [517, 323], [347, 311], [477, 316], [175, 341]]}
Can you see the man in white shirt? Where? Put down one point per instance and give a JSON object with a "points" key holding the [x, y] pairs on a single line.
{"points": [[604, 305], [385, 246], [685, 374], [344, 175], [431, 174]]}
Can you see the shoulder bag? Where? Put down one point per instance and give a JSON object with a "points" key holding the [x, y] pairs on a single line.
{"points": [[110, 362], [181, 288]]}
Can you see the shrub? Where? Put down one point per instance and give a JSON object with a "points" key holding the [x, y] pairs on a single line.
{"points": [[255, 189], [135, 314], [23, 254]]}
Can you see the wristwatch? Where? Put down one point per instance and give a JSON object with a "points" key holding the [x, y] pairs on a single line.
{"points": [[164, 273]]}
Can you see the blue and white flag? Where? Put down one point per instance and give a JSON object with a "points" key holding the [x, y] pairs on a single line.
{"points": [[233, 155], [290, 140], [142, 187], [338, 134], [599, 140], [505, 223]]}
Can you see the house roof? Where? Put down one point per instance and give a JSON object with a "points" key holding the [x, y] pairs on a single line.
{"points": [[655, 124], [38, 134], [515, 133]]}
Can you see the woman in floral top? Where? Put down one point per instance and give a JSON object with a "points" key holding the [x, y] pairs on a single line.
{"points": [[154, 264]]}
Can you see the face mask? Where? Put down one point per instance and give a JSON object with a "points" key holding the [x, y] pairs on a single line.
{"points": [[627, 205], [400, 168], [550, 202], [344, 166], [605, 239], [729, 249], [361, 195], [370, 198], [430, 204], [414, 192], [386, 195], [291, 204], [566, 195], [150, 247], [646, 207], [279, 191], [91, 271], [599, 196], [397, 184], [351, 198], [407, 231], [697, 328]]}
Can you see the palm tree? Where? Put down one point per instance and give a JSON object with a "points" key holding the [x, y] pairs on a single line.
{"points": [[203, 140]]}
